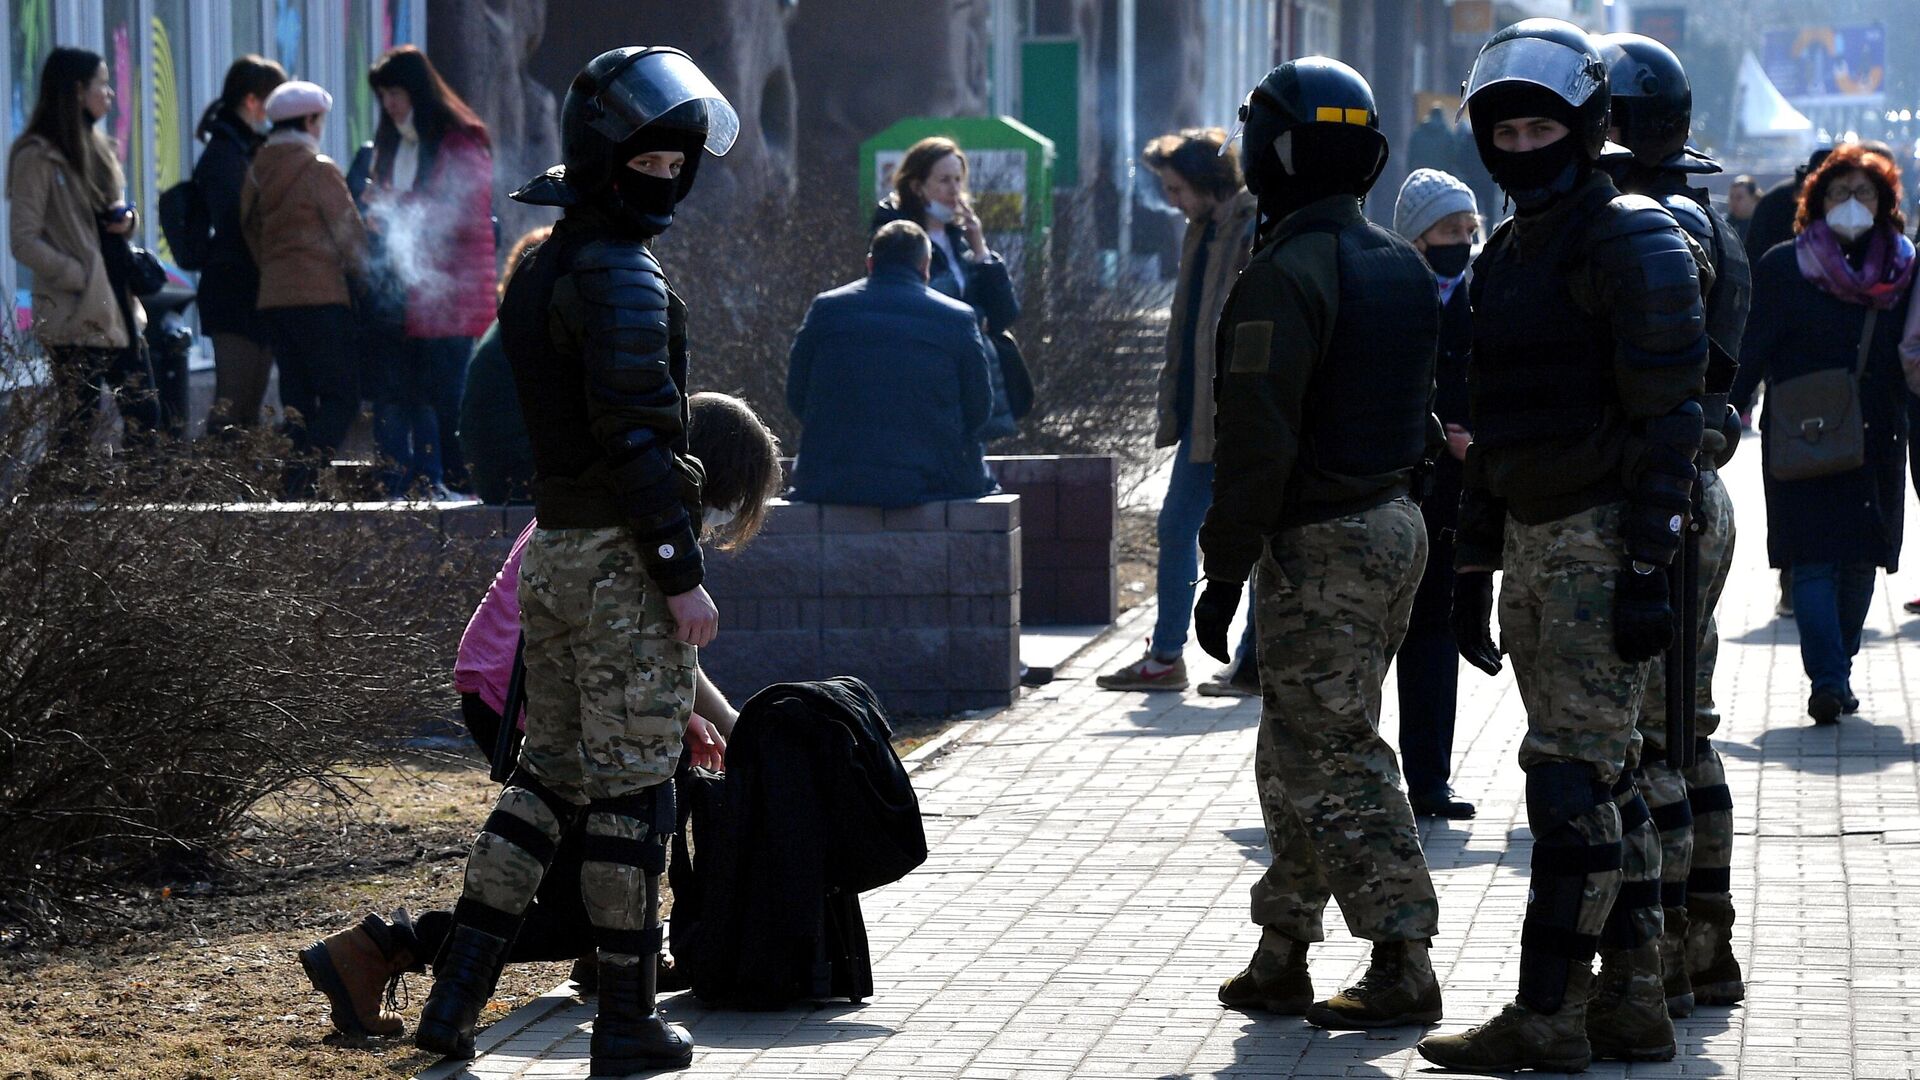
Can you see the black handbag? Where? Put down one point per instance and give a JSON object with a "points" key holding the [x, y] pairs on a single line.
{"points": [[1814, 426], [127, 261], [1014, 374]]}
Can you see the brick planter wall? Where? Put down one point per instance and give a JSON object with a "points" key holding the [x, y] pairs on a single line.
{"points": [[1070, 561], [923, 603]]}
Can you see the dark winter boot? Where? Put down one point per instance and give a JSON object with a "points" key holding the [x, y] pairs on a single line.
{"points": [[1398, 988], [1673, 964], [629, 1034], [1274, 981], [586, 975], [1521, 1038], [356, 966], [463, 980], [1627, 1019], [1711, 965]]}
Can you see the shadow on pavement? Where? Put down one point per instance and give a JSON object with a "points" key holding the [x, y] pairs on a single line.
{"points": [[1273, 1046], [1851, 747], [1165, 715]]}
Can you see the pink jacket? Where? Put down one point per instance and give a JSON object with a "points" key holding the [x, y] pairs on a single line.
{"points": [[455, 296], [485, 662]]}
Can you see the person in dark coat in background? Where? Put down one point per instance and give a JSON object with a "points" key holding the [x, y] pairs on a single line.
{"points": [[889, 379], [1773, 215], [493, 432], [229, 287], [1437, 215], [1811, 302], [1743, 196], [930, 190], [1431, 144]]}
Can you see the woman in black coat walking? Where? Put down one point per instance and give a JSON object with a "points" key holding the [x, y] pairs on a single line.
{"points": [[1812, 300], [230, 283]]}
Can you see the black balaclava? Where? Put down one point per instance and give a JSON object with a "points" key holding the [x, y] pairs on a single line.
{"points": [[1535, 178], [646, 203]]}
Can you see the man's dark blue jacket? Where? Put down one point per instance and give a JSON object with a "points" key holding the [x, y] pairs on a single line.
{"points": [[890, 382]]}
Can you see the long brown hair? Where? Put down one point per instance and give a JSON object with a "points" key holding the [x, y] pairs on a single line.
{"points": [[915, 167], [60, 118], [437, 109], [529, 240], [1878, 167], [742, 459]]}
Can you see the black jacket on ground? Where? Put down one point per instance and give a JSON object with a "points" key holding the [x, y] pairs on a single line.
{"points": [[815, 808], [230, 285], [1795, 329]]}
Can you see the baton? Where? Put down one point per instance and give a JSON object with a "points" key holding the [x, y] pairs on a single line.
{"points": [[506, 745]]}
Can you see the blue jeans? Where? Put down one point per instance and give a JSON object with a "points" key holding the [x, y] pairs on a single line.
{"points": [[1189, 493], [1830, 602], [409, 436]]}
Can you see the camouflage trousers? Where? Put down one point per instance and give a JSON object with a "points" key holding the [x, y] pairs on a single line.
{"points": [[609, 692], [1582, 701], [1694, 811], [1334, 599]]}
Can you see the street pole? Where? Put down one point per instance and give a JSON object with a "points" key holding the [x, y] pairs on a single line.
{"points": [[1124, 152]]}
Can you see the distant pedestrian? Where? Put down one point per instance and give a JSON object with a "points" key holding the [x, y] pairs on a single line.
{"points": [[430, 205], [233, 127], [65, 193], [930, 190], [1436, 213], [1836, 299], [307, 238], [1204, 184], [493, 431], [1743, 197], [1431, 145]]}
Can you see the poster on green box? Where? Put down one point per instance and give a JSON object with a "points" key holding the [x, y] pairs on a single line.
{"points": [[1009, 174]]}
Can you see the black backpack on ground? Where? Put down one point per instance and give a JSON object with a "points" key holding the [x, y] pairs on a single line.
{"points": [[814, 809]]}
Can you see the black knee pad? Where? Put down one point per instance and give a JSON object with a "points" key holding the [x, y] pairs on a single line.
{"points": [[653, 808], [1709, 800], [1558, 794], [563, 810]]}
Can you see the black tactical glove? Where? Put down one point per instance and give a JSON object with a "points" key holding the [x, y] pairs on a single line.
{"points": [[1472, 619], [1642, 614], [1213, 615]]}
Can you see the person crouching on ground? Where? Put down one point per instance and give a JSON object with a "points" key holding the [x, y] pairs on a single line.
{"points": [[354, 966]]}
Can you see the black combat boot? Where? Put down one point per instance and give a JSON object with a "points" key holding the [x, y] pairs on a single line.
{"points": [[629, 1034], [1275, 980], [1398, 988], [463, 980]]}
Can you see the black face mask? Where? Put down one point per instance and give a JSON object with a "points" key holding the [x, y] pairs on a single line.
{"points": [[1449, 260], [1537, 177], [647, 201]]}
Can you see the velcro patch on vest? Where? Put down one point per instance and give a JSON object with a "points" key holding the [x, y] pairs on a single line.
{"points": [[1252, 348]]}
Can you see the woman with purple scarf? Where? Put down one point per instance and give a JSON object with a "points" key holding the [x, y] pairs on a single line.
{"points": [[1811, 301]]}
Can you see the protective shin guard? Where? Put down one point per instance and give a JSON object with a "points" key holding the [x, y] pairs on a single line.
{"points": [[1712, 805], [1575, 877], [1636, 916], [626, 851]]}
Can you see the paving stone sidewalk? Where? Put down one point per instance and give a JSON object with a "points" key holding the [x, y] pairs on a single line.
{"points": [[1091, 854]]}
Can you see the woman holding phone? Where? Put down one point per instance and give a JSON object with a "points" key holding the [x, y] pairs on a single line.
{"points": [[65, 186], [930, 190]]}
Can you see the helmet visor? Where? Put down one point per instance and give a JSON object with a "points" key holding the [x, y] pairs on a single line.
{"points": [[1560, 70], [656, 84]]}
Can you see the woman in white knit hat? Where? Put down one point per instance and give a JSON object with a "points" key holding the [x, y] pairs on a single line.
{"points": [[1436, 212]]}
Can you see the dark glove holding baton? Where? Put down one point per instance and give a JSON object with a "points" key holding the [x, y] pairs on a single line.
{"points": [[1472, 619], [1213, 616]]}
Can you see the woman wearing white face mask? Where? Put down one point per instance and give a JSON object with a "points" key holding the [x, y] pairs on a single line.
{"points": [[1835, 298], [930, 190]]}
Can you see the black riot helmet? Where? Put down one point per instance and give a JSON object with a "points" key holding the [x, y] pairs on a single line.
{"points": [[1652, 103], [626, 102], [1311, 130], [1541, 55]]}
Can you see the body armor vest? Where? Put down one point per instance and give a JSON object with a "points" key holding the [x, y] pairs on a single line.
{"points": [[1542, 367], [1365, 419]]}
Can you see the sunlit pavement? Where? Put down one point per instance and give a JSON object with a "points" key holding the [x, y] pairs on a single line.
{"points": [[1092, 852]]}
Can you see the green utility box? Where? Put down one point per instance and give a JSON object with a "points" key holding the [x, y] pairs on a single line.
{"points": [[1009, 173]]}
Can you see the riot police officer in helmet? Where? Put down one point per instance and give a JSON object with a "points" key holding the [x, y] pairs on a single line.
{"points": [[1691, 805], [612, 606], [1589, 354], [1323, 419]]}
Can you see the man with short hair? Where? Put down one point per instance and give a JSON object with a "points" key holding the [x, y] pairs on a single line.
{"points": [[1743, 195], [889, 379], [1204, 184]]}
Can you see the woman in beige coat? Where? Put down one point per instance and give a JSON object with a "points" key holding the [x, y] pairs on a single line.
{"points": [[64, 184]]}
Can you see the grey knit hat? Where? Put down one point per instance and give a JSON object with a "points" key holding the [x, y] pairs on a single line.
{"points": [[1426, 197]]}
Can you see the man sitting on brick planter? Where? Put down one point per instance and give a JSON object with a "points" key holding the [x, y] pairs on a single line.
{"points": [[890, 382]]}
